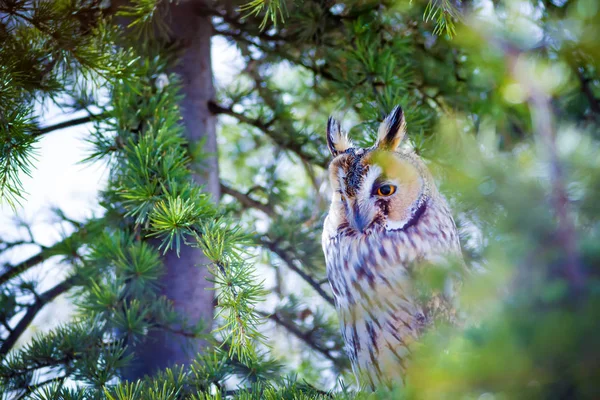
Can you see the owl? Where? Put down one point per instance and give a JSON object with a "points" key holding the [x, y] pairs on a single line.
{"points": [[386, 220]]}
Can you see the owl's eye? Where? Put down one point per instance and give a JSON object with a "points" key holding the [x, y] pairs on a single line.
{"points": [[386, 190]]}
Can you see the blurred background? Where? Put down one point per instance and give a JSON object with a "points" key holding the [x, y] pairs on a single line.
{"points": [[164, 185]]}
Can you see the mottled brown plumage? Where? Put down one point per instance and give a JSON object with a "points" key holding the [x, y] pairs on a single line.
{"points": [[386, 218]]}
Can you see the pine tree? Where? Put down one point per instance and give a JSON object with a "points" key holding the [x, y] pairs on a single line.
{"points": [[505, 110], [185, 280]]}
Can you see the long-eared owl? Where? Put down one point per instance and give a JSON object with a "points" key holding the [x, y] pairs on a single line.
{"points": [[386, 218]]}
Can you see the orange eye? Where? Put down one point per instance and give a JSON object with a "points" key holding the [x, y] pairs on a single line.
{"points": [[386, 190]]}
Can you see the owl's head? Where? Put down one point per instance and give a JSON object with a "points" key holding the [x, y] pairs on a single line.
{"points": [[380, 186]]}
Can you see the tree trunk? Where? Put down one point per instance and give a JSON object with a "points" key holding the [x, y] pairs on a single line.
{"points": [[185, 281]]}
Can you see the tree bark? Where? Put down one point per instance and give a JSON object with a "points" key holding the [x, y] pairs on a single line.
{"points": [[185, 281]]}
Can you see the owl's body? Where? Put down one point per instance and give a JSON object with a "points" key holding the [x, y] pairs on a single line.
{"points": [[386, 218]]}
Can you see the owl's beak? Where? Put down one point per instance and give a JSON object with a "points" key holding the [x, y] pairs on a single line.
{"points": [[359, 219]]}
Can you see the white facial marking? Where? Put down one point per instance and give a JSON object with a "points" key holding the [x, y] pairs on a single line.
{"points": [[372, 175], [395, 225], [341, 179]]}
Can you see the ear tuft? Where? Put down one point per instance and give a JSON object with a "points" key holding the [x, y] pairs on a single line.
{"points": [[392, 130], [337, 139]]}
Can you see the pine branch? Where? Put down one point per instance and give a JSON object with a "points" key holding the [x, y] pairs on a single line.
{"points": [[6, 325], [44, 254], [68, 124], [247, 201], [9, 245], [32, 311], [32, 388], [25, 265], [282, 254]]}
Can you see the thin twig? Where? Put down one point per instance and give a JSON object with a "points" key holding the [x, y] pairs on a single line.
{"points": [[70, 123], [32, 388], [304, 336], [32, 311], [282, 254], [246, 200], [23, 266], [179, 332], [43, 255], [265, 127], [219, 109]]}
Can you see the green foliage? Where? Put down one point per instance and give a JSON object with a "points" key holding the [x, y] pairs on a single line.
{"points": [[506, 115], [145, 17], [273, 10], [60, 352], [116, 277], [46, 49], [16, 153], [444, 13], [240, 289]]}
